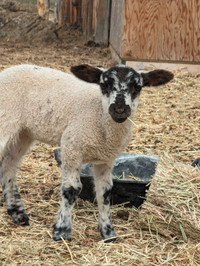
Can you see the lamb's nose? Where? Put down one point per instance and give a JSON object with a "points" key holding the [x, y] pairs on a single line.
{"points": [[119, 108]]}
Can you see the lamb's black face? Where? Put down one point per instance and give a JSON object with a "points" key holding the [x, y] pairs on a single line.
{"points": [[121, 86]]}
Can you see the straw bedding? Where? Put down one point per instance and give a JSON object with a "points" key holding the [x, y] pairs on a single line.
{"points": [[172, 208], [166, 230]]}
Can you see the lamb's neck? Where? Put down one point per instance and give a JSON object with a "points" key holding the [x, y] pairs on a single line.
{"points": [[116, 130]]}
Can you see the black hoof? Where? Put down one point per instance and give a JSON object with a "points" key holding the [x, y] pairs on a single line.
{"points": [[62, 232], [108, 233], [111, 239], [19, 217]]}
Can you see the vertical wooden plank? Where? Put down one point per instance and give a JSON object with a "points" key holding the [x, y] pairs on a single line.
{"points": [[85, 16], [116, 25], [161, 30], [43, 8], [102, 25], [79, 13], [68, 11], [62, 11], [89, 35], [94, 15]]}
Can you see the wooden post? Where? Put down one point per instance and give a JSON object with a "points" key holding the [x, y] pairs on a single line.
{"points": [[43, 8], [68, 11], [96, 20], [93, 16]]}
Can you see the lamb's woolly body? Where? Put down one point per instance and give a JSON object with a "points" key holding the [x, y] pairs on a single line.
{"points": [[44, 103], [88, 122]]}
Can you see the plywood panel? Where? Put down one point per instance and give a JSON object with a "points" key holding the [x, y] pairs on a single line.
{"points": [[166, 30], [167, 66]]}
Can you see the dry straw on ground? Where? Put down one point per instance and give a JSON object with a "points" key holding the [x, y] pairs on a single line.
{"points": [[172, 208], [164, 232]]}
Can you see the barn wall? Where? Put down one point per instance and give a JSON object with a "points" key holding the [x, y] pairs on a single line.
{"points": [[161, 30], [116, 25], [96, 20], [93, 16], [69, 11]]}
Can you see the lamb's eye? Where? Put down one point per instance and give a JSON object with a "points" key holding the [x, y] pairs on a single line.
{"points": [[103, 86], [138, 88], [132, 84]]}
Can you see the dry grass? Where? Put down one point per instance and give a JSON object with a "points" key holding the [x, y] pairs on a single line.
{"points": [[172, 208], [165, 232], [168, 119]]}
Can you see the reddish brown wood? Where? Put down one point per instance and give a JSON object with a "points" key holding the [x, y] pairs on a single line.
{"points": [[93, 16], [69, 11], [161, 30], [43, 8]]}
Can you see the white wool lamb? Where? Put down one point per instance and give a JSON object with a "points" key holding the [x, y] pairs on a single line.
{"points": [[89, 122]]}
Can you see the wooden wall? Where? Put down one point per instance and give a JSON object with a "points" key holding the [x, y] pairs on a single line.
{"points": [[116, 25], [154, 30], [93, 16], [43, 8], [68, 11]]}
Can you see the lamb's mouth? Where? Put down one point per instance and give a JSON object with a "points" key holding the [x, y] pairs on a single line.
{"points": [[119, 118], [119, 112]]}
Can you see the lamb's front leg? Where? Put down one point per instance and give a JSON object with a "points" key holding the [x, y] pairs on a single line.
{"points": [[103, 187], [70, 189]]}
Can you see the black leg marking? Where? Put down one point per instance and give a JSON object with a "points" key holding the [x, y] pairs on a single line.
{"points": [[64, 232], [63, 225], [107, 196], [70, 194], [18, 216]]}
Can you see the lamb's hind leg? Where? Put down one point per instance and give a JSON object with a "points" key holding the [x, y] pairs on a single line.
{"points": [[103, 185], [8, 181]]}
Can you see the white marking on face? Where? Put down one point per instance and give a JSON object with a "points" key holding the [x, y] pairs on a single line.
{"points": [[130, 74], [112, 97], [107, 101], [101, 79], [135, 104], [102, 69], [139, 80], [124, 85], [127, 98]]}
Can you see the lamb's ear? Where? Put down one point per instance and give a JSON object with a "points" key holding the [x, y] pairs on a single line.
{"points": [[156, 77], [87, 73]]}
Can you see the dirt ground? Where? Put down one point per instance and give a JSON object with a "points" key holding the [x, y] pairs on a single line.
{"points": [[167, 120], [168, 117]]}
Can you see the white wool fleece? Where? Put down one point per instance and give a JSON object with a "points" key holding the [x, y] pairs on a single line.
{"points": [[45, 103]]}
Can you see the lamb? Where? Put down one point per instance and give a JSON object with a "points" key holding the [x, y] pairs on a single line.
{"points": [[86, 113]]}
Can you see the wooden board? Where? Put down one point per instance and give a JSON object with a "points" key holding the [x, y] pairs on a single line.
{"points": [[96, 20], [93, 16], [116, 25], [103, 22], [161, 30], [69, 11], [43, 8], [139, 65]]}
